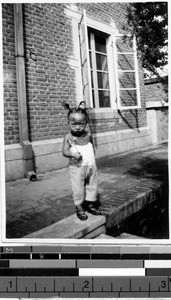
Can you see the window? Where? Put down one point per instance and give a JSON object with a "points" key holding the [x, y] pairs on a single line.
{"points": [[99, 69], [126, 70], [109, 68]]}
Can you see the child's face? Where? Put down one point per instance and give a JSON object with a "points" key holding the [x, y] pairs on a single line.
{"points": [[77, 123]]}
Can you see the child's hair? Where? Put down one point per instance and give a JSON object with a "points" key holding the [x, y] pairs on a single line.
{"points": [[77, 109]]}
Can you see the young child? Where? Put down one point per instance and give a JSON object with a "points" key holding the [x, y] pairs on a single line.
{"points": [[78, 147]]}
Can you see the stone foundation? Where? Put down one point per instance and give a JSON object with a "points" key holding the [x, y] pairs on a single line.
{"points": [[48, 154]]}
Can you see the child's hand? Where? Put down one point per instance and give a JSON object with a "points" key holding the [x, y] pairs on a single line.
{"points": [[77, 156]]}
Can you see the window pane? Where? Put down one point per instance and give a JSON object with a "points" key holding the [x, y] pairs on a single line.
{"points": [[103, 80], [90, 54], [124, 44], [126, 62], [93, 98], [128, 98], [127, 80], [104, 99], [89, 44], [100, 44], [92, 83], [101, 61]]}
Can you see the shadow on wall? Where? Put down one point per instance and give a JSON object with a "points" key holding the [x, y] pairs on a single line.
{"points": [[134, 113], [122, 115]]}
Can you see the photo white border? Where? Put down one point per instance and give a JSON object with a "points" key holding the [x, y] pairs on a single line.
{"points": [[21, 241]]}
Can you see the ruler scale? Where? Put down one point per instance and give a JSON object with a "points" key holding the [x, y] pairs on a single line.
{"points": [[92, 286], [85, 272]]}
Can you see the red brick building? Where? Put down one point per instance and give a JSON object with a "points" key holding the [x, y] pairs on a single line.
{"points": [[73, 52]]}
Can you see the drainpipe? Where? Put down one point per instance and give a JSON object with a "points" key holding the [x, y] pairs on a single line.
{"points": [[21, 93]]}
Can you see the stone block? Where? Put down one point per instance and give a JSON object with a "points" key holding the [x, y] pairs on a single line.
{"points": [[47, 147], [13, 152], [47, 163], [14, 169], [70, 227]]}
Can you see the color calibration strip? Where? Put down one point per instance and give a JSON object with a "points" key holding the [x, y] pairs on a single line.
{"points": [[85, 271]]}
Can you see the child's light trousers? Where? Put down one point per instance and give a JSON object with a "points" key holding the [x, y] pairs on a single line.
{"points": [[84, 183]]}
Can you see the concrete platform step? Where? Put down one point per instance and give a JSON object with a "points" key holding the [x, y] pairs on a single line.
{"points": [[131, 204], [130, 236], [105, 236], [72, 228], [122, 236]]}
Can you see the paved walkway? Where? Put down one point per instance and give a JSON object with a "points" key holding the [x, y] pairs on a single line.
{"points": [[32, 206]]}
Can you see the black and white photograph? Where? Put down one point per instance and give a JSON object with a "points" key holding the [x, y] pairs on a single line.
{"points": [[84, 139]]}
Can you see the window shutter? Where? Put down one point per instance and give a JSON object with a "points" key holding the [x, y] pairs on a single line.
{"points": [[85, 61], [126, 71]]}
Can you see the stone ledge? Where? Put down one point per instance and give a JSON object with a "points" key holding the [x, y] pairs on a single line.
{"points": [[48, 153], [122, 236], [156, 104], [46, 147], [132, 204], [98, 114], [121, 135], [71, 228], [13, 152]]}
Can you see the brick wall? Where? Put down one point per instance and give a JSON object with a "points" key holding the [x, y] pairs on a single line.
{"points": [[49, 77], [156, 90], [9, 76], [107, 13]]}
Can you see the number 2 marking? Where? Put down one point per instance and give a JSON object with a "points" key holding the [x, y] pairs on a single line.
{"points": [[86, 284]]}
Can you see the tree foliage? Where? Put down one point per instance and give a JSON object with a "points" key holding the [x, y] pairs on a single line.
{"points": [[149, 21]]}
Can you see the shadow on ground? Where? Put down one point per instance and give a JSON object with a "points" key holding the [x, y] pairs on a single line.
{"points": [[153, 168], [151, 222]]}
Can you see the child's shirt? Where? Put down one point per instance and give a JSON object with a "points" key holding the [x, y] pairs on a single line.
{"points": [[85, 148]]}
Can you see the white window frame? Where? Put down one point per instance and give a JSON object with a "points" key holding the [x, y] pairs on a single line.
{"points": [[95, 70], [111, 33], [85, 61], [135, 70]]}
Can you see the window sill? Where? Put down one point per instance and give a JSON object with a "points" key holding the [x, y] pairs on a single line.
{"points": [[101, 113], [129, 107]]}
